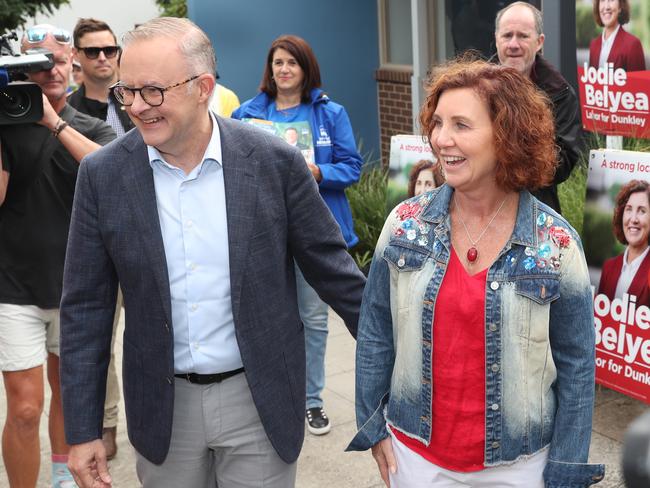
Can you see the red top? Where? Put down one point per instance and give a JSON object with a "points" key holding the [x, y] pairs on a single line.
{"points": [[458, 382]]}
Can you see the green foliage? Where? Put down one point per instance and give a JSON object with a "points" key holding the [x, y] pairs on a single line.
{"points": [[598, 239], [172, 8], [395, 193], [368, 203], [16, 13], [597, 141], [586, 28], [572, 194], [639, 21]]}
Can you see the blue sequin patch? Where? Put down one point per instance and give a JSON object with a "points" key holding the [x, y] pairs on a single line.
{"points": [[544, 250], [529, 263]]}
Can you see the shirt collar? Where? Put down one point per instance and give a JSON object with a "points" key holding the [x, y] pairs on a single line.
{"points": [[636, 261], [611, 38], [212, 152]]}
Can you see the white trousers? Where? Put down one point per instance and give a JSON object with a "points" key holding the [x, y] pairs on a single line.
{"points": [[413, 471]]}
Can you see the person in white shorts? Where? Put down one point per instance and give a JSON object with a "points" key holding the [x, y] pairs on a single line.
{"points": [[39, 163]]}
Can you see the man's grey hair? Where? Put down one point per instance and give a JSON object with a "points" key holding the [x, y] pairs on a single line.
{"points": [[193, 43], [539, 23]]}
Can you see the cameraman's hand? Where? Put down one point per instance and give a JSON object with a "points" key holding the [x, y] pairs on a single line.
{"points": [[74, 141], [50, 117]]}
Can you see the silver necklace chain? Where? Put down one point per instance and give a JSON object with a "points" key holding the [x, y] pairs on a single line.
{"points": [[460, 217]]}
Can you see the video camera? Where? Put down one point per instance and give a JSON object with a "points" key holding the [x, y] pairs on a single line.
{"points": [[21, 102]]}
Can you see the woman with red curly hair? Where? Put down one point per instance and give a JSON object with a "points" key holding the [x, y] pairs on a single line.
{"points": [[475, 350], [629, 272]]}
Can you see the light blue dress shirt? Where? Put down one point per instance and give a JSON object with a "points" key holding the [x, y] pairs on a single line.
{"points": [[192, 213]]}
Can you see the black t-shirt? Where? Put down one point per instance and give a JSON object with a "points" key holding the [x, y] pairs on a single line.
{"points": [[35, 215]]}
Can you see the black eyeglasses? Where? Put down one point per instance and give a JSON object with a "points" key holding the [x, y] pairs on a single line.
{"points": [[152, 95], [93, 52]]}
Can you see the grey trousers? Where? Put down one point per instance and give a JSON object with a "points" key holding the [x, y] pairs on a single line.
{"points": [[217, 441]]}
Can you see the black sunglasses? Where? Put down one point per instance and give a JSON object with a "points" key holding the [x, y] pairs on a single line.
{"points": [[93, 52]]}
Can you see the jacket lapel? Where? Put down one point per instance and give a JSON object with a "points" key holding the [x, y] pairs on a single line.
{"points": [[639, 283], [239, 172], [137, 180]]}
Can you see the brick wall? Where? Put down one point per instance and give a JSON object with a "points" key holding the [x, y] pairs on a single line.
{"points": [[395, 107]]}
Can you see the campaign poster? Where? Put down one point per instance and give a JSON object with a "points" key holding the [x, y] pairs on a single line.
{"points": [[409, 154], [613, 58], [297, 134], [615, 236]]}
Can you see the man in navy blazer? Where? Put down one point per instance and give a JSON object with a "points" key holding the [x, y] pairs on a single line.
{"points": [[199, 219]]}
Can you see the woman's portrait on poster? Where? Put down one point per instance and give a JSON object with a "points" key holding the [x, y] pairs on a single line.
{"points": [[628, 272], [615, 45], [425, 175]]}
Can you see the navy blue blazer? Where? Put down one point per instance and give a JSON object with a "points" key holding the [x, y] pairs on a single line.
{"points": [[275, 214]]}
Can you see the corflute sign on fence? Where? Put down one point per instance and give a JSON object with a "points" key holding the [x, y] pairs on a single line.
{"points": [[615, 236], [614, 101], [612, 61]]}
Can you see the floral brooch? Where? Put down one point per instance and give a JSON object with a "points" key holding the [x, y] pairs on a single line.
{"points": [[409, 224]]}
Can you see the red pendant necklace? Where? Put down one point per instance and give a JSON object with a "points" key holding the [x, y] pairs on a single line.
{"points": [[472, 252]]}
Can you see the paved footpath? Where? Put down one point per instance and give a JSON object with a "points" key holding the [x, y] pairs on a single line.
{"points": [[323, 464]]}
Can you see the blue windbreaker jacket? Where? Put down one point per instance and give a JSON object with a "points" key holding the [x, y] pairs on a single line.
{"points": [[335, 152]]}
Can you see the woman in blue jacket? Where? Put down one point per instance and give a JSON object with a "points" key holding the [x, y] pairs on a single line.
{"points": [[290, 93]]}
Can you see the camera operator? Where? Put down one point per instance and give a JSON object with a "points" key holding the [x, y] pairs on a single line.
{"points": [[39, 170]]}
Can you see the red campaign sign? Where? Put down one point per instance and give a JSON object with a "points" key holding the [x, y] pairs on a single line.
{"points": [[623, 345], [614, 101]]}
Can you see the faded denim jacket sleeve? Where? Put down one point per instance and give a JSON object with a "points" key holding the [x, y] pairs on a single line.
{"points": [[375, 353], [572, 339]]}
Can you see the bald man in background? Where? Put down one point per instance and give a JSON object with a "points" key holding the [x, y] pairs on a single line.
{"points": [[520, 39]]}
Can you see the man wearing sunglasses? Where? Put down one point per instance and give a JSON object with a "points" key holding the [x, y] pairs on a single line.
{"points": [[39, 169], [96, 49], [199, 218]]}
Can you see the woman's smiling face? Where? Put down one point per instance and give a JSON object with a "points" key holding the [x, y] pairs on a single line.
{"points": [[636, 220]]}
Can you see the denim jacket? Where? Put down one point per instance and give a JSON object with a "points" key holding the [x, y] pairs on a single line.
{"points": [[539, 338]]}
